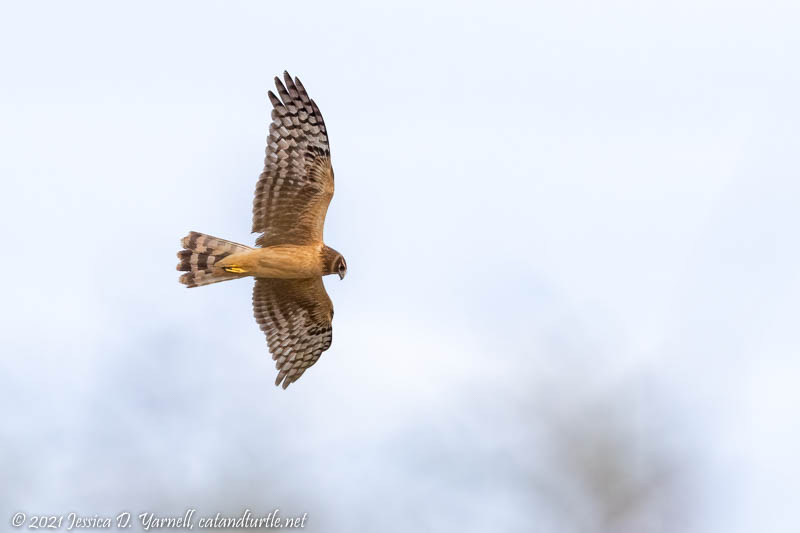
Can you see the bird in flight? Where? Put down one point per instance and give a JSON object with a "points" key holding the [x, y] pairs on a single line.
{"points": [[290, 258]]}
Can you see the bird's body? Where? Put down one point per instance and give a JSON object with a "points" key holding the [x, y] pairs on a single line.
{"points": [[291, 201], [282, 261]]}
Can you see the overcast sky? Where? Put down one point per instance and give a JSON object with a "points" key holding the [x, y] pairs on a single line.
{"points": [[566, 225]]}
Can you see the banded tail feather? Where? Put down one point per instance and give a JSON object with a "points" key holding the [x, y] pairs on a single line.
{"points": [[201, 252]]}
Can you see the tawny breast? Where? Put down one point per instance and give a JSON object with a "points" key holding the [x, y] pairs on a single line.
{"points": [[280, 262]]}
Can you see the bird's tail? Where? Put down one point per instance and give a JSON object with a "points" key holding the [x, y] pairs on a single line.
{"points": [[200, 254]]}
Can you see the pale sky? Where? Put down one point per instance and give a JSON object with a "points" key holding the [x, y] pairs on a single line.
{"points": [[554, 216]]}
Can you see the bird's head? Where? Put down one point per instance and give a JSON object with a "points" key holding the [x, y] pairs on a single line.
{"points": [[334, 262]]}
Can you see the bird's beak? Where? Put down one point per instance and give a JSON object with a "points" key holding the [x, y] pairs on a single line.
{"points": [[341, 276]]}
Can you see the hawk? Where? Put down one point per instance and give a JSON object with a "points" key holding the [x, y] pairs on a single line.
{"points": [[290, 257]]}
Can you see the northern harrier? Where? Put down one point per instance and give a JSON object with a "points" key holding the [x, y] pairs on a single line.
{"points": [[292, 197]]}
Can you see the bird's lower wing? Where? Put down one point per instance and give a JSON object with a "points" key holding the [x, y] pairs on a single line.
{"points": [[296, 317]]}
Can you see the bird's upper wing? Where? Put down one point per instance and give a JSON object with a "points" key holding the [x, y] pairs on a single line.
{"points": [[296, 316], [296, 186]]}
